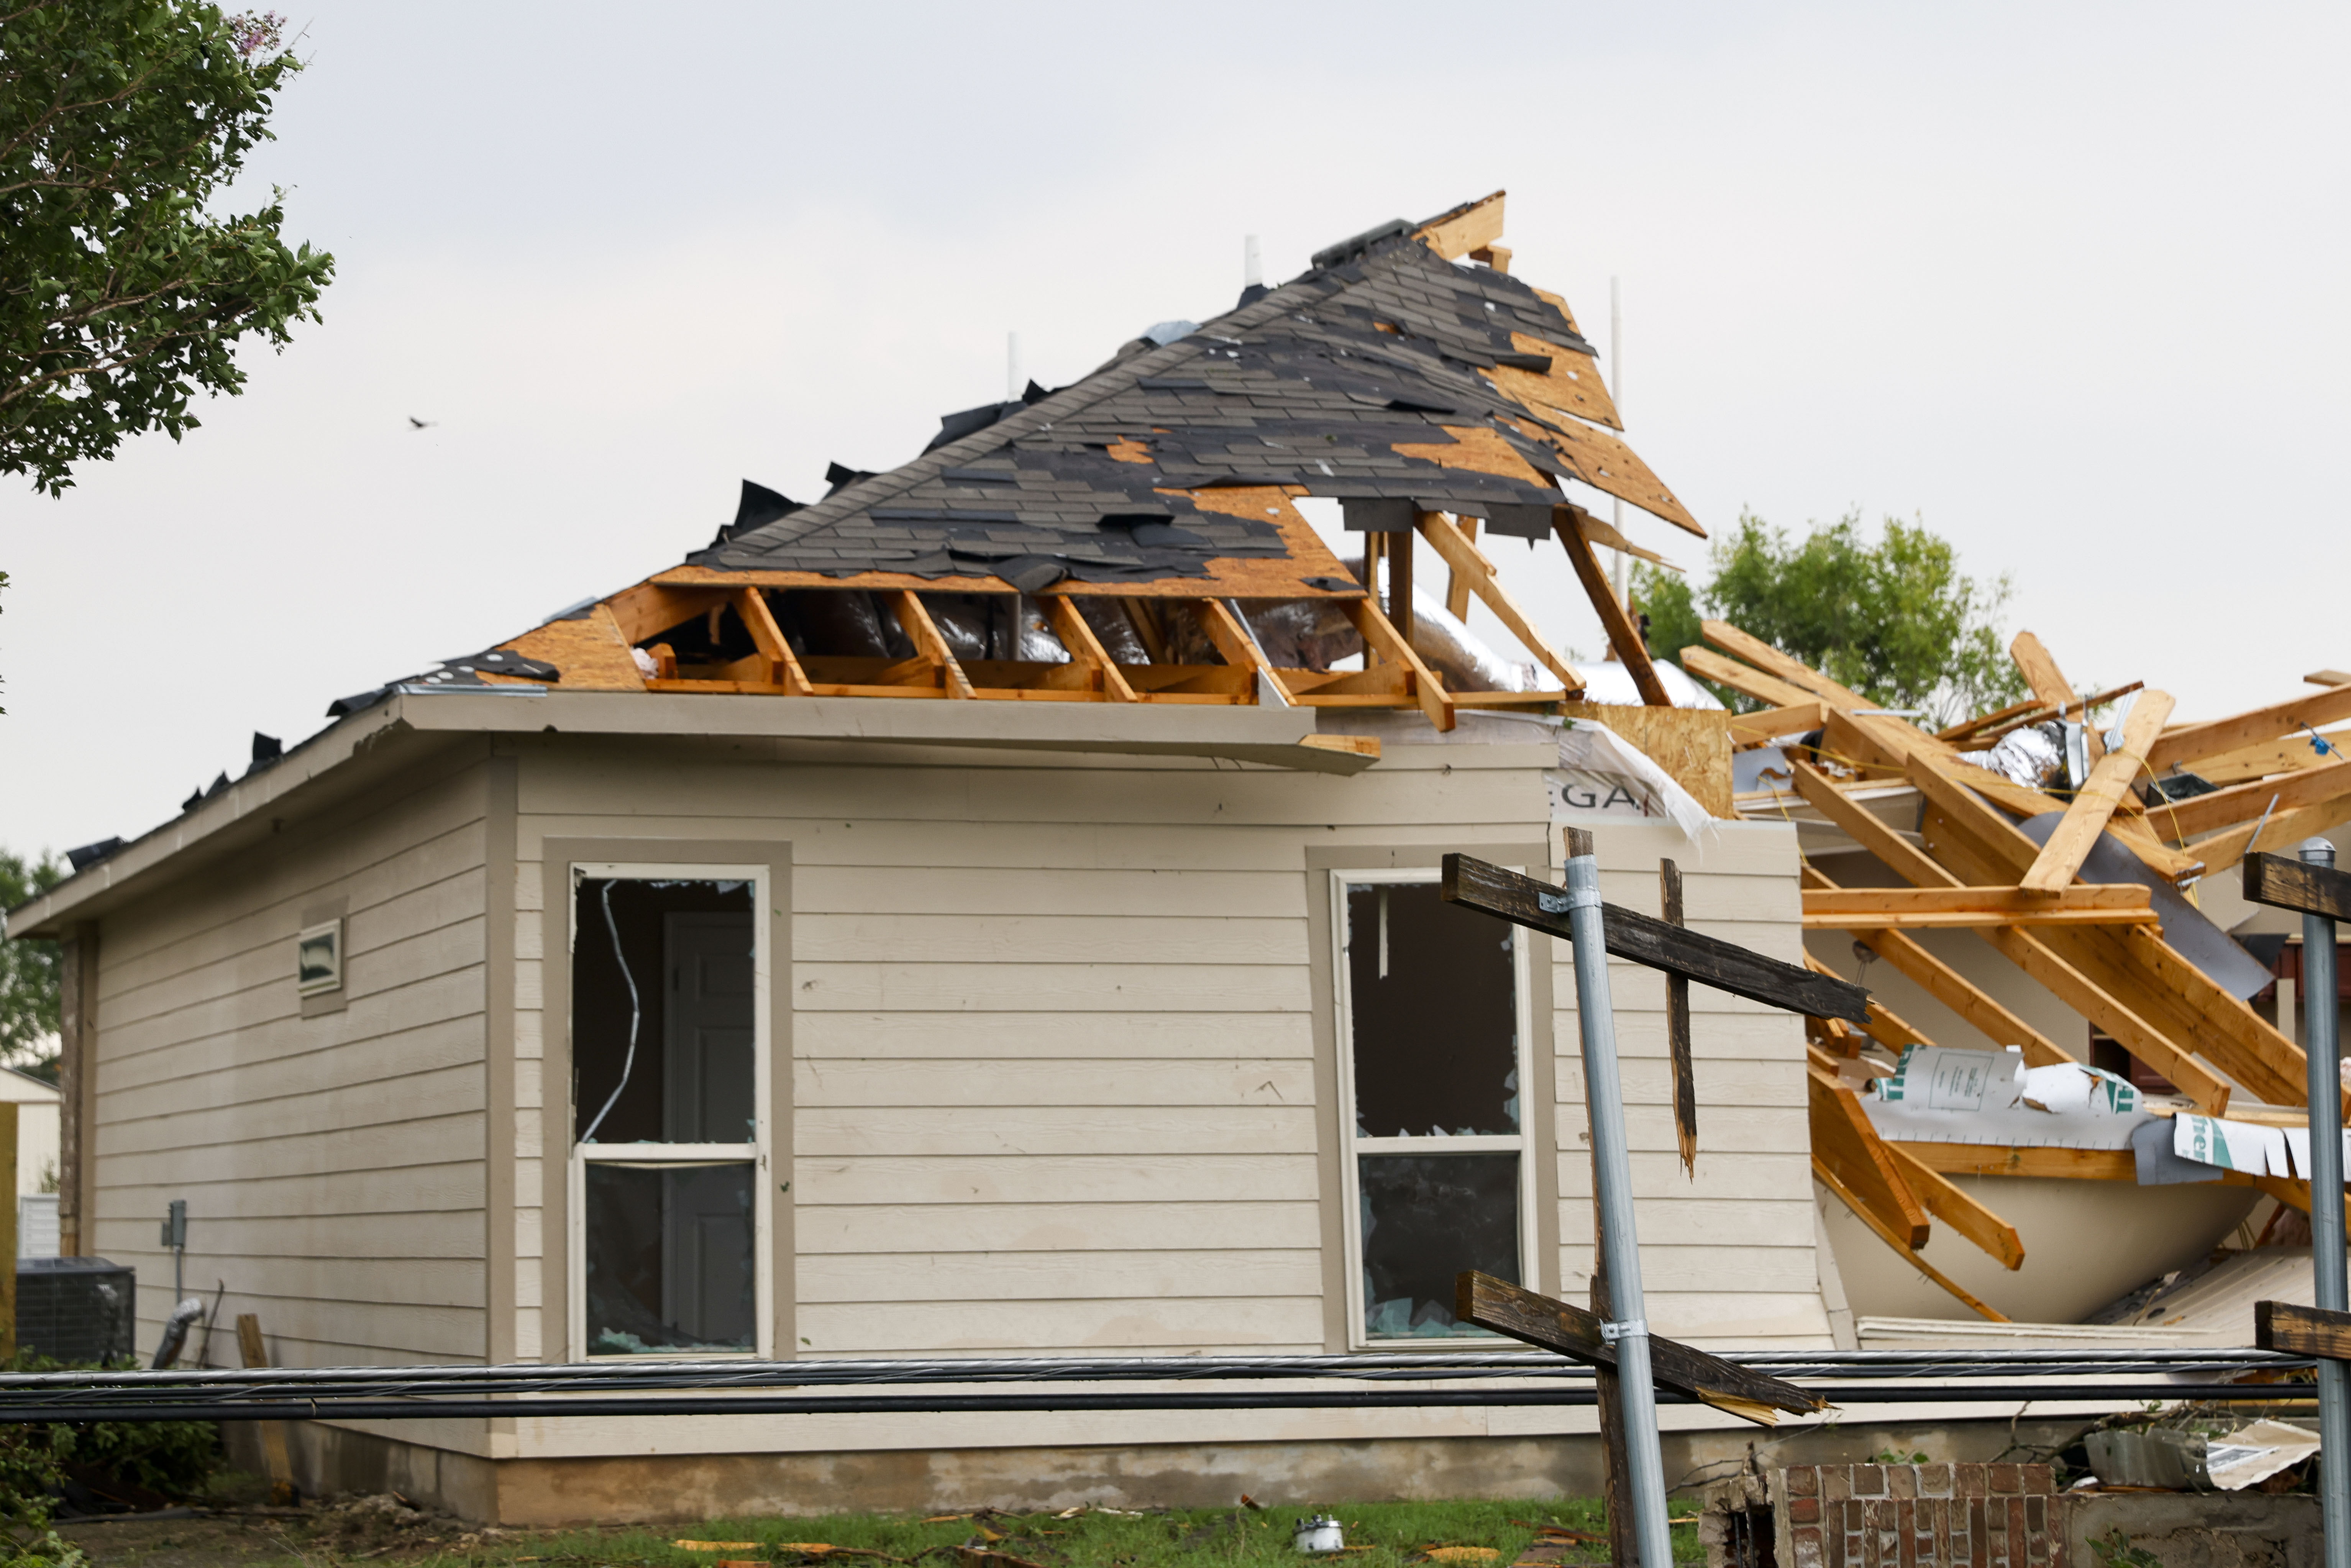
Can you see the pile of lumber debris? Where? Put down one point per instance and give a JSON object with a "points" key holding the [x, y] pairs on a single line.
{"points": [[2074, 856]]}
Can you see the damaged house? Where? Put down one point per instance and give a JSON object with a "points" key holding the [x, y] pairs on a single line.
{"points": [[992, 909]]}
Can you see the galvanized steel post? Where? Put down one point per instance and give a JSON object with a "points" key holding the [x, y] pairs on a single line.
{"points": [[2325, 1051], [1612, 1180]]}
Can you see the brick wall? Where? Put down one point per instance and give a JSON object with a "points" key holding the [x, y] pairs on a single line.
{"points": [[1893, 1516]]}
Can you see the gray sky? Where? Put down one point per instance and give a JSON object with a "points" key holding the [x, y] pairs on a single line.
{"points": [[2065, 282]]}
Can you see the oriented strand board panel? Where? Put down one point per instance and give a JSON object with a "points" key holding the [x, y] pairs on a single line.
{"points": [[1692, 745]]}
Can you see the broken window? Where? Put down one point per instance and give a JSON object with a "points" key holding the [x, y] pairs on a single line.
{"points": [[1432, 1024], [667, 1134]]}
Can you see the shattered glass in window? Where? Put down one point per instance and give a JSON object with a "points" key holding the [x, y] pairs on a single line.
{"points": [[670, 1264], [1433, 995], [1427, 1217]]}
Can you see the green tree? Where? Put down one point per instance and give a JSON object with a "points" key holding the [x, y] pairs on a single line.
{"points": [[120, 296], [1895, 620], [28, 970]]}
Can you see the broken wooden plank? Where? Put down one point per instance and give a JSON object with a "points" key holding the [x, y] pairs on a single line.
{"points": [[275, 1458], [1561, 1326], [2222, 851], [1677, 1025], [1850, 1148], [1956, 1207], [1472, 225], [1741, 644], [1952, 908], [1861, 1212], [2285, 882], [1639, 939], [1474, 573], [1623, 632], [2076, 833], [1769, 724], [1457, 580], [2302, 1331]]}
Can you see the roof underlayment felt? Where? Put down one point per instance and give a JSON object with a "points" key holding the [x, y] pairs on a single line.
{"points": [[1389, 373]]}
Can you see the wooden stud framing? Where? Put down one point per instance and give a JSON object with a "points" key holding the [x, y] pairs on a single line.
{"points": [[929, 645], [2060, 861], [1623, 632], [1473, 572]]}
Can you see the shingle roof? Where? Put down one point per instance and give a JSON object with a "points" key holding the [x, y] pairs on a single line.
{"points": [[1385, 372]]}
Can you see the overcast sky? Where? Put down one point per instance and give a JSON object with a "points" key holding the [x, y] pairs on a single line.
{"points": [[2066, 282]]}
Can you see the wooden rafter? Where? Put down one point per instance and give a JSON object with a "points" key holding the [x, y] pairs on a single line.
{"points": [[784, 665], [1623, 634], [2186, 744], [1953, 908], [1474, 573], [1708, 664], [1762, 727], [2076, 833], [1457, 581], [2048, 682], [1239, 646], [1379, 636], [1849, 1147], [930, 646], [1887, 1234], [1955, 1207], [1085, 649], [2205, 813]]}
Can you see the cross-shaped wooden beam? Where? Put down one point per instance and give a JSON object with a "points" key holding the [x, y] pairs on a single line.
{"points": [[2286, 884]]}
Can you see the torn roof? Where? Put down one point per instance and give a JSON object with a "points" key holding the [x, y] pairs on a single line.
{"points": [[1385, 372]]}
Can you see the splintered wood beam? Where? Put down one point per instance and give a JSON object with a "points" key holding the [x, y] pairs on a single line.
{"points": [[1886, 1027], [1708, 664], [2183, 820], [929, 645], [2190, 742], [1474, 573], [2060, 861], [1952, 908], [1086, 648], [1741, 644], [2302, 1331], [1637, 938], [1561, 1326], [1239, 646], [1677, 1025], [1951, 1204], [1381, 636], [1959, 732], [2048, 682], [1748, 729], [1902, 857], [1850, 1149], [2296, 885], [1624, 634], [1457, 581], [1886, 1234], [783, 665]]}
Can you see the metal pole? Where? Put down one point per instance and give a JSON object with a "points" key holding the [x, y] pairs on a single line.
{"points": [[1612, 1180], [2318, 1004]]}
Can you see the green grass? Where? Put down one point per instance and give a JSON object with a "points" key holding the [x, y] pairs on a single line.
{"points": [[1396, 1532]]}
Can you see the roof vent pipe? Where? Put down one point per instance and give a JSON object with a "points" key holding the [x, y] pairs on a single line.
{"points": [[1252, 269], [1013, 380]]}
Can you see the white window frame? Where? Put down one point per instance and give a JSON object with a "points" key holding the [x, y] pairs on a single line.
{"points": [[1351, 1145], [755, 1153]]}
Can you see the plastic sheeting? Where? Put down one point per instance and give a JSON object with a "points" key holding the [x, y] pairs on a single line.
{"points": [[1598, 762], [1948, 1094], [2029, 757]]}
